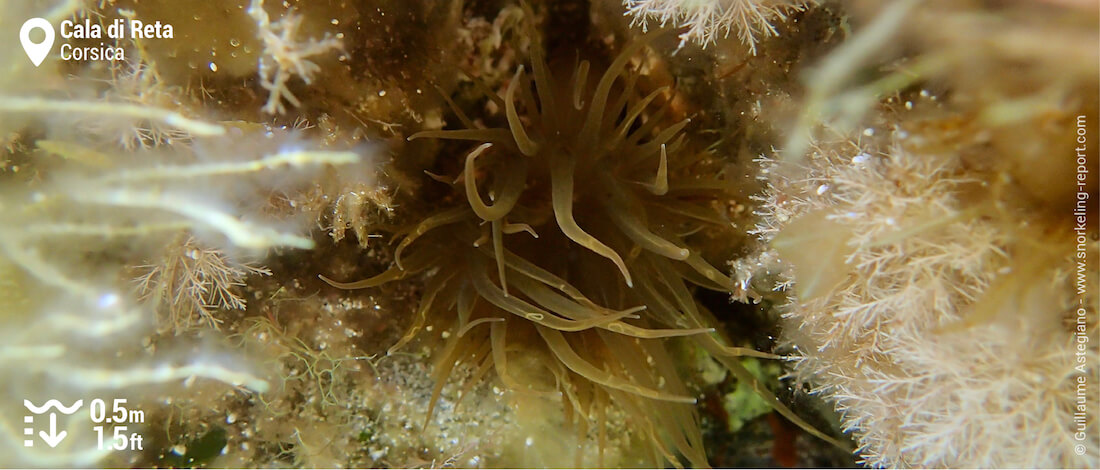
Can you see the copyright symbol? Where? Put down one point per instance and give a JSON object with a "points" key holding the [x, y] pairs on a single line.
{"points": [[1079, 449]]}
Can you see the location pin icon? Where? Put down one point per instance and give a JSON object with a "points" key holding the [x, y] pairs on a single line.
{"points": [[36, 52]]}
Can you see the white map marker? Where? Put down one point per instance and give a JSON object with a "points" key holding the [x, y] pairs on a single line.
{"points": [[36, 52]]}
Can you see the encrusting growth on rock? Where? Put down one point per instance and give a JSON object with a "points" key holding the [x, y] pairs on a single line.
{"points": [[909, 304]]}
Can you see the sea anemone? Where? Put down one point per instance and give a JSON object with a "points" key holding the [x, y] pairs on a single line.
{"points": [[564, 245]]}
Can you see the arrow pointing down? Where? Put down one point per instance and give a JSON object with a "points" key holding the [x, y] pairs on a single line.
{"points": [[53, 438]]}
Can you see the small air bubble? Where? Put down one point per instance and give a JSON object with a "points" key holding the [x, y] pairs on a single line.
{"points": [[335, 21], [235, 42], [869, 132], [213, 67], [108, 300], [382, 93], [822, 189]]}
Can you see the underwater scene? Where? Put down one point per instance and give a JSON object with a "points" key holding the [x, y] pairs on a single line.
{"points": [[549, 233]]}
